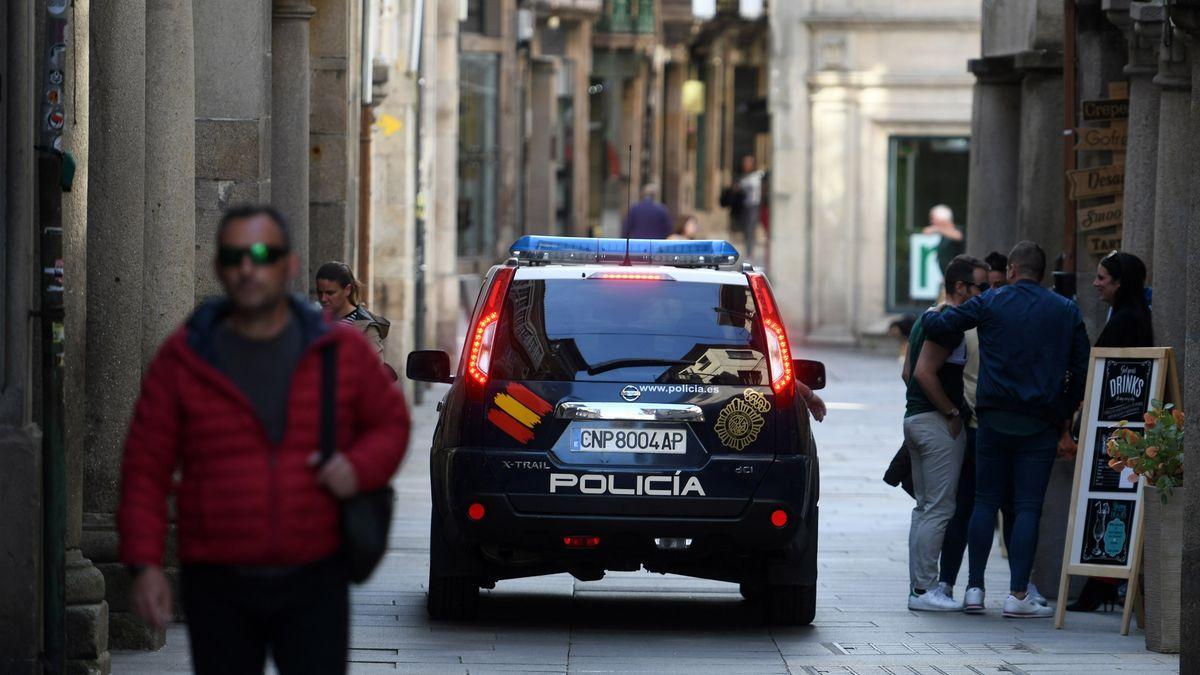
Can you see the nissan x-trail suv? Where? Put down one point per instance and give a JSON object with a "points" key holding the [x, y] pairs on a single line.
{"points": [[622, 405]]}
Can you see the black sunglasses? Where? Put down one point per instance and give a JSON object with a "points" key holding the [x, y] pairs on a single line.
{"points": [[983, 286], [260, 254]]}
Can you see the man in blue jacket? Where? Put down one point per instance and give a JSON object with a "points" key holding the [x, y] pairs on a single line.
{"points": [[1033, 351]]}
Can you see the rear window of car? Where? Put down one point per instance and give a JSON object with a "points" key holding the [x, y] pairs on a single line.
{"points": [[629, 331]]}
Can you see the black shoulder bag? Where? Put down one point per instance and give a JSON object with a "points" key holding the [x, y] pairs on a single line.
{"points": [[367, 516]]}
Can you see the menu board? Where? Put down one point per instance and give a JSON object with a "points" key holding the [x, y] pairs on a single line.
{"points": [[1104, 529]]}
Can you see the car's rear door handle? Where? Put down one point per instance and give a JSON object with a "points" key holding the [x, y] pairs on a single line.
{"points": [[642, 412]]}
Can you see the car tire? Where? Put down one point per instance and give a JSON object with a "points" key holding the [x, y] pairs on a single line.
{"points": [[791, 605], [452, 598]]}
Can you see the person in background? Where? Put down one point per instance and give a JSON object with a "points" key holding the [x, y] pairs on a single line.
{"points": [[941, 222], [1121, 282], [686, 228], [648, 219], [1034, 350], [337, 291], [933, 433], [998, 269], [231, 403], [750, 186]]}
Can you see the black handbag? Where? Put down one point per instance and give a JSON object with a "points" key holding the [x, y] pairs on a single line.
{"points": [[367, 516]]}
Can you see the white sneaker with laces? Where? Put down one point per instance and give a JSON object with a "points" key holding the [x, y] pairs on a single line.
{"points": [[973, 600], [1034, 594], [932, 601], [946, 589], [1025, 608]]}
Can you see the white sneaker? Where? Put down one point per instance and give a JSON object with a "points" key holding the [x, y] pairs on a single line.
{"points": [[973, 600], [1034, 594], [932, 601], [946, 589], [1026, 608]]}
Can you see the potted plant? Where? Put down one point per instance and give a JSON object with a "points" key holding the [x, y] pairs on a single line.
{"points": [[1155, 455]]}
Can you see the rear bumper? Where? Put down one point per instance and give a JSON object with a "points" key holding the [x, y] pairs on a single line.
{"points": [[720, 523]]}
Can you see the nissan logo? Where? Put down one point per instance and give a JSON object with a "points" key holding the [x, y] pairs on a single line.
{"points": [[630, 393]]}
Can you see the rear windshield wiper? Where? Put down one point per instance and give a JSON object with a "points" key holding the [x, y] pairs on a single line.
{"points": [[633, 363], [734, 313]]}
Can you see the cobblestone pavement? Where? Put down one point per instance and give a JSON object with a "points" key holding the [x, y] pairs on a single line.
{"points": [[641, 622]]}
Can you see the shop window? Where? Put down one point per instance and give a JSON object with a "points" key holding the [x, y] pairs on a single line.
{"points": [[922, 172], [478, 152], [483, 17]]}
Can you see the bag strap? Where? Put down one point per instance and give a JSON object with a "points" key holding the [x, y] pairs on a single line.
{"points": [[328, 437]]}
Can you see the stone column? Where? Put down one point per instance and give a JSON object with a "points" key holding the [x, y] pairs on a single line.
{"points": [[1144, 33], [20, 440], [170, 208], [1174, 198], [1040, 172], [87, 611], [995, 140], [116, 290], [289, 121], [1186, 16]]}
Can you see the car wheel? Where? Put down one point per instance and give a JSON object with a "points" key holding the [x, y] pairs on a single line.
{"points": [[791, 605], [452, 598], [453, 595]]}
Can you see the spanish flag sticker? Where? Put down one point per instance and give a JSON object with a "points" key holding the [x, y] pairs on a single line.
{"points": [[516, 411]]}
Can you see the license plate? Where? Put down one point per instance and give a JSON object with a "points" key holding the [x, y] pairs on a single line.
{"points": [[615, 439]]}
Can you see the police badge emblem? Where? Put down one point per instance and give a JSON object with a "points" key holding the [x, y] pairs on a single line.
{"points": [[741, 419]]}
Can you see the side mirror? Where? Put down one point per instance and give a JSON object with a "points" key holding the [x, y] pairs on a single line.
{"points": [[811, 373], [428, 365]]}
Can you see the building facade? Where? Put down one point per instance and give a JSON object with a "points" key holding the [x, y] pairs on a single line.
{"points": [[870, 119], [128, 128]]}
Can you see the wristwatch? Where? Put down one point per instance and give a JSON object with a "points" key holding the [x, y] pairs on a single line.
{"points": [[954, 412]]}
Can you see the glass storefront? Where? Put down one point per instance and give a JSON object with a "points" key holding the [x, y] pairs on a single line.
{"points": [[478, 152], [923, 171]]}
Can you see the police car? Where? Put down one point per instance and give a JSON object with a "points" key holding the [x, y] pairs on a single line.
{"points": [[623, 404]]}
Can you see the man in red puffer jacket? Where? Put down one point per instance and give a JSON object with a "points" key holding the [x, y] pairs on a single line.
{"points": [[232, 402]]}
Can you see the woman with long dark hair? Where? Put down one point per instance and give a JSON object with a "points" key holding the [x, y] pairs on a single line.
{"points": [[1121, 282], [338, 293]]}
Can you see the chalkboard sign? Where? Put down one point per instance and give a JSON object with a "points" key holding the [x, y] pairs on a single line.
{"points": [[1104, 530]]}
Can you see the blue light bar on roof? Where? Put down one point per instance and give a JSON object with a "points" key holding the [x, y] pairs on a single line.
{"points": [[584, 250]]}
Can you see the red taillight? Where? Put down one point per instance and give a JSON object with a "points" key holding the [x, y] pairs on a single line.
{"points": [[779, 351], [482, 337], [581, 541], [779, 517], [631, 276], [476, 511]]}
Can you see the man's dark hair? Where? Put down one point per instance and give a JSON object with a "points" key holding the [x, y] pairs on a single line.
{"points": [[1029, 260], [244, 211], [962, 268], [997, 261]]}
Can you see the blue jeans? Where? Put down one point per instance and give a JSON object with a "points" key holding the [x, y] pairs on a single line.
{"points": [[1018, 468], [955, 543]]}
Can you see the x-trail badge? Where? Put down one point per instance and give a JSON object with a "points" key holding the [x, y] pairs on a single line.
{"points": [[630, 393]]}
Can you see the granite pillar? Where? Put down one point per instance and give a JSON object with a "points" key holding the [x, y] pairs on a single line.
{"points": [[1174, 196], [20, 440], [116, 287], [1040, 164], [995, 140], [87, 611], [1141, 159], [170, 208], [290, 78]]}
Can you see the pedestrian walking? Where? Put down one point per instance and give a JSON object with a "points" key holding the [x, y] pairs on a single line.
{"points": [[933, 433], [750, 186], [1121, 282], [686, 228], [1034, 351], [232, 402], [648, 219], [338, 292]]}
